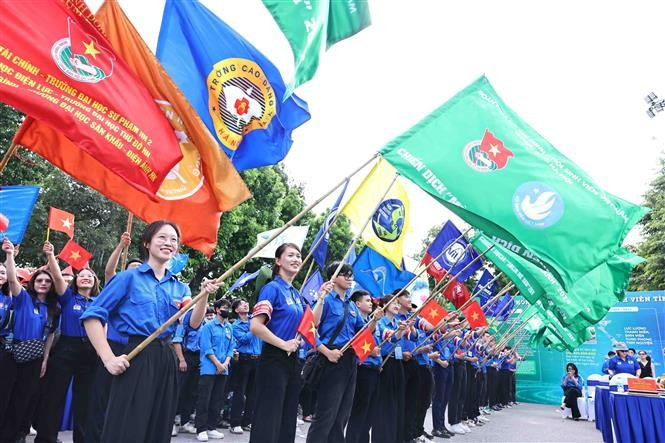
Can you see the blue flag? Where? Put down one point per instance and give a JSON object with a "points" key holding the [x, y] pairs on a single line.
{"points": [[499, 306], [16, 203], [311, 287], [489, 291], [455, 255], [321, 251], [178, 262], [378, 275], [245, 278], [236, 90]]}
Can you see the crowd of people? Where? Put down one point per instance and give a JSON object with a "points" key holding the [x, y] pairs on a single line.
{"points": [[229, 365]]}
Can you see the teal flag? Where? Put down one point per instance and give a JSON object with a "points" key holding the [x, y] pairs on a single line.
{"points": [[483, 162], [314, 25]]}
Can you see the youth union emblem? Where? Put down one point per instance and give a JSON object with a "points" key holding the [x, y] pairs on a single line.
{"points": [[537, 205], [388, 220]]}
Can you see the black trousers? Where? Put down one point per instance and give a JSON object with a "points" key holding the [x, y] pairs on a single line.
{"points": [[513, 386], [71, 357], [22, 381], [410, 397], [482, 389], [471, 401], [99, 397], [457, 394], [7, 379], [188, 382], [334, 400], [388, 422], [143, 400], [425, 384], [242, 405], [504, 386], [492, 386], [364, 404], [278, 387], [443, 380], [307, 400], [571, 394], [209, 402]]}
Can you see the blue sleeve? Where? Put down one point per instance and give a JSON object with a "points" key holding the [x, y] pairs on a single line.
{"points": [[108, 300], [232, 347], [360, 321], [241, 338], [179, 334], [205, 341], [612, 364], [66, 297], [20, 299], [580, 382]]}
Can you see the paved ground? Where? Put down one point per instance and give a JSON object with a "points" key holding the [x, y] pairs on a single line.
{"points": [[523, 423]]}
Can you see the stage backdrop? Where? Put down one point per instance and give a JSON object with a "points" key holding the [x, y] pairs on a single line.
{"points": [[639, 321]]}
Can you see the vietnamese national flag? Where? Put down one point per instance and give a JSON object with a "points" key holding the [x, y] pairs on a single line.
{"points": [[364, 344], [457, 293], [495, 149], [433, 312], [85, 90], [306, 326], [474, 314], [75, 255], [62, 221]]}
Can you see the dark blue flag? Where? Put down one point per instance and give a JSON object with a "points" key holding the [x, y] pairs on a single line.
{"points": [[489, 291], [321, 251], [455, 255], [245, 278], [16, 203], [506, 302], [378, 275], [234, 88], [311, 287]]}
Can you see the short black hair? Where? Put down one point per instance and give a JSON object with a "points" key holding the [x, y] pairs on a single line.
{"points": [[235, 303], [632, 349], [611, 354], [357, 295], [222, 302], [402, 290], [344, 271], [133, 260]]}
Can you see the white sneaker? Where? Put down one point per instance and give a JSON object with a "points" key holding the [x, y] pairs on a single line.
{"points": [[33, 431], [202, 436], [299, 422], [465, 427], [448, 428], [236, 430], [175, 430], [215, 434], [470, 424], [458, 429], [188, 428], [484, 419]]}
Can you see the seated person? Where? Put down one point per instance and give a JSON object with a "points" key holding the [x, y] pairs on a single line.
{"points": [[572, 384]]}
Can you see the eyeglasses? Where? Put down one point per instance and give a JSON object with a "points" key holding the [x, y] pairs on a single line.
{"points": [[346, 276]]}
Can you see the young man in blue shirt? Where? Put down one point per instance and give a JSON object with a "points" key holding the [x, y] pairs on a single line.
{"points": [[606, 363], [186, 345]]}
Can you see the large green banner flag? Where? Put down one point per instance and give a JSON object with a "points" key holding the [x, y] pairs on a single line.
{"points": [[309, 25], [483, 162]]}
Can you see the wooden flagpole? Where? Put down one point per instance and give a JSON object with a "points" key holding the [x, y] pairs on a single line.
{"points": [[125, 251], [13, 148]]}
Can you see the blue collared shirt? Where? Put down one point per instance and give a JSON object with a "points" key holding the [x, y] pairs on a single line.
{"points": [[570, 384], [332, 314], [29, 317], [185, 333], [72, 305], [136, 303], [409, 340], [283, 306], [386, 328], [627, 366], [605, 366], [5, 307], [215, 338], [246, 342]]}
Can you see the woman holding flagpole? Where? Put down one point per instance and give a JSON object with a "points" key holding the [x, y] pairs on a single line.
{"points": [[143, 397]]}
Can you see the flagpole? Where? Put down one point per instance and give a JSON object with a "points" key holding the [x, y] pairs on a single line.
{"points": [[125, 251], [13, 148], [309, 270], [415, 277], [494, 318], [244, 260], [506, 339]]}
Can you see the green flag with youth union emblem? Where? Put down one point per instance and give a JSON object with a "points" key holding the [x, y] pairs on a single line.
{"points": [[483, 162]]}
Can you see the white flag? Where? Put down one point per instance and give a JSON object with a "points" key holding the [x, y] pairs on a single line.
{"points": [[294, 234]]}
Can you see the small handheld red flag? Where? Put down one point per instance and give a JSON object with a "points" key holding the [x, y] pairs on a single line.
{"points": [[495, 149], [62, 221], [433, 312], [364, 344], [306, 327], [75, 255], [474, 314], [457, 293], [4, 222]]}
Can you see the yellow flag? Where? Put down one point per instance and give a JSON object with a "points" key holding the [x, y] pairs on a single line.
{"points": [[386, 230]]}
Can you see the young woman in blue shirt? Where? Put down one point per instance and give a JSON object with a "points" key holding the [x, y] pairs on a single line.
{"points": [[572, 384], [143, 401]]}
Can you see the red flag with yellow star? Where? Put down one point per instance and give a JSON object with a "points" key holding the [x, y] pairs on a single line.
{"points": [[75, 255], [306, 327], [474, 314], [495, 149], [433, 312], [62, 221], [363, 345]]}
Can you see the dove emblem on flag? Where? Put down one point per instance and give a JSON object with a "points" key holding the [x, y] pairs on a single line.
{"points": [[538, 205]]}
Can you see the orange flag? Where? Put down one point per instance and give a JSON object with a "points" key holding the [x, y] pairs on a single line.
{"points": [[196, 190], [433, 312], [363, 344], [474, 314], [306, 327], [75, 255], [62, 221]]}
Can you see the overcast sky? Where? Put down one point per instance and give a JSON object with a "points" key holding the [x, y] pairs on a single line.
{"points": [[576, 71]]}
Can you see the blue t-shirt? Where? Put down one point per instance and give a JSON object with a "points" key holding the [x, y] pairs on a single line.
{"points": [[185, 333], [386, 328], [606, 364], [29, 317], [72, 306], [283, 306], [136, 303], [5, 307], [331, 316], [246, 342], [409, 340], [627, 366], [567, 383], [215, 338]]}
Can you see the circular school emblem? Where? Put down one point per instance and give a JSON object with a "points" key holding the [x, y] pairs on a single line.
{"points": [[476, 158], [240, 100], [388, 220], [80, 67]]}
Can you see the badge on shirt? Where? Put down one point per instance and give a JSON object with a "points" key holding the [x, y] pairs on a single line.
{"points": [[76, 307], [289, 301], [398, 353], [228, 335], [2, 305], [36, 310]]}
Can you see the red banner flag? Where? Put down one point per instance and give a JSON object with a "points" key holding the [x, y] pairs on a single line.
{"points": [[62, 221], [474, 314], [306, 327], [457, 293], [363, 345], [58, 68], [75, 255], [433, 312]]}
